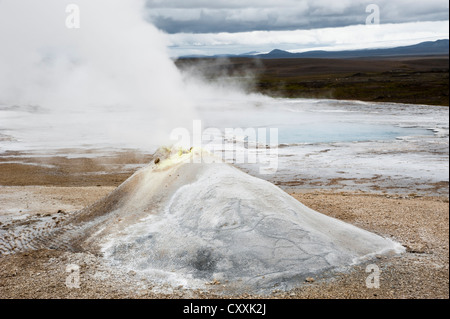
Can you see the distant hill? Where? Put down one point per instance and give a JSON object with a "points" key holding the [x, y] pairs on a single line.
{"points": [[439, 47]]}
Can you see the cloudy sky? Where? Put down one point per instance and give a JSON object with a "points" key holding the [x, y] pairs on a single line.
{"points": [[238, 26]]}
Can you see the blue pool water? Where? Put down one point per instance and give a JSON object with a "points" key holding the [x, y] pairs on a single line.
{"points": [[344, 132]]}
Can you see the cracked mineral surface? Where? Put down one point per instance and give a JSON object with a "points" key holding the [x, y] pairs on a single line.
{"points": [[187, 223]]}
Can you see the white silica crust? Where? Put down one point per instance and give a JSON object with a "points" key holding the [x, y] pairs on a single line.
{"points": [[223, 224]]}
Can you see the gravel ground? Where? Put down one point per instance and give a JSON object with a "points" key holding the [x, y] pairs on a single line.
{"points": [[421, 224]]}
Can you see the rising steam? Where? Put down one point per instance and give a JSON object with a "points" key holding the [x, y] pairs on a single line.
{"points": [[110, 77]]}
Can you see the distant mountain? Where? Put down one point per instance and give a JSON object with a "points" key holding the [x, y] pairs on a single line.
{"points": [[198, 56], [439, 47], [278, 54], [251, 53]]}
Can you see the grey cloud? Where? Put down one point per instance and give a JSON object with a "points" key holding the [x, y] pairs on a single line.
{"points": [[221, 4], [199, 16]]}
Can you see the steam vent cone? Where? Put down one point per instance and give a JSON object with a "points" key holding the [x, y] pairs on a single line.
{"points": [[190, 223]]}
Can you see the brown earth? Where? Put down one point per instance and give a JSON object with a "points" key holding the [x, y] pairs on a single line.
{"points": [[419, 223], [414, 80], [18, 169]]}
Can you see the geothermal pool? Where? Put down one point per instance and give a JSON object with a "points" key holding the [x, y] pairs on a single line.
{"points": [[330, 144], [343, 132], [326, 121], [348, 145]]}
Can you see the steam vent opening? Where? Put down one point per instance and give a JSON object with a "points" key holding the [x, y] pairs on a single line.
{"points": [[185, 223]]}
